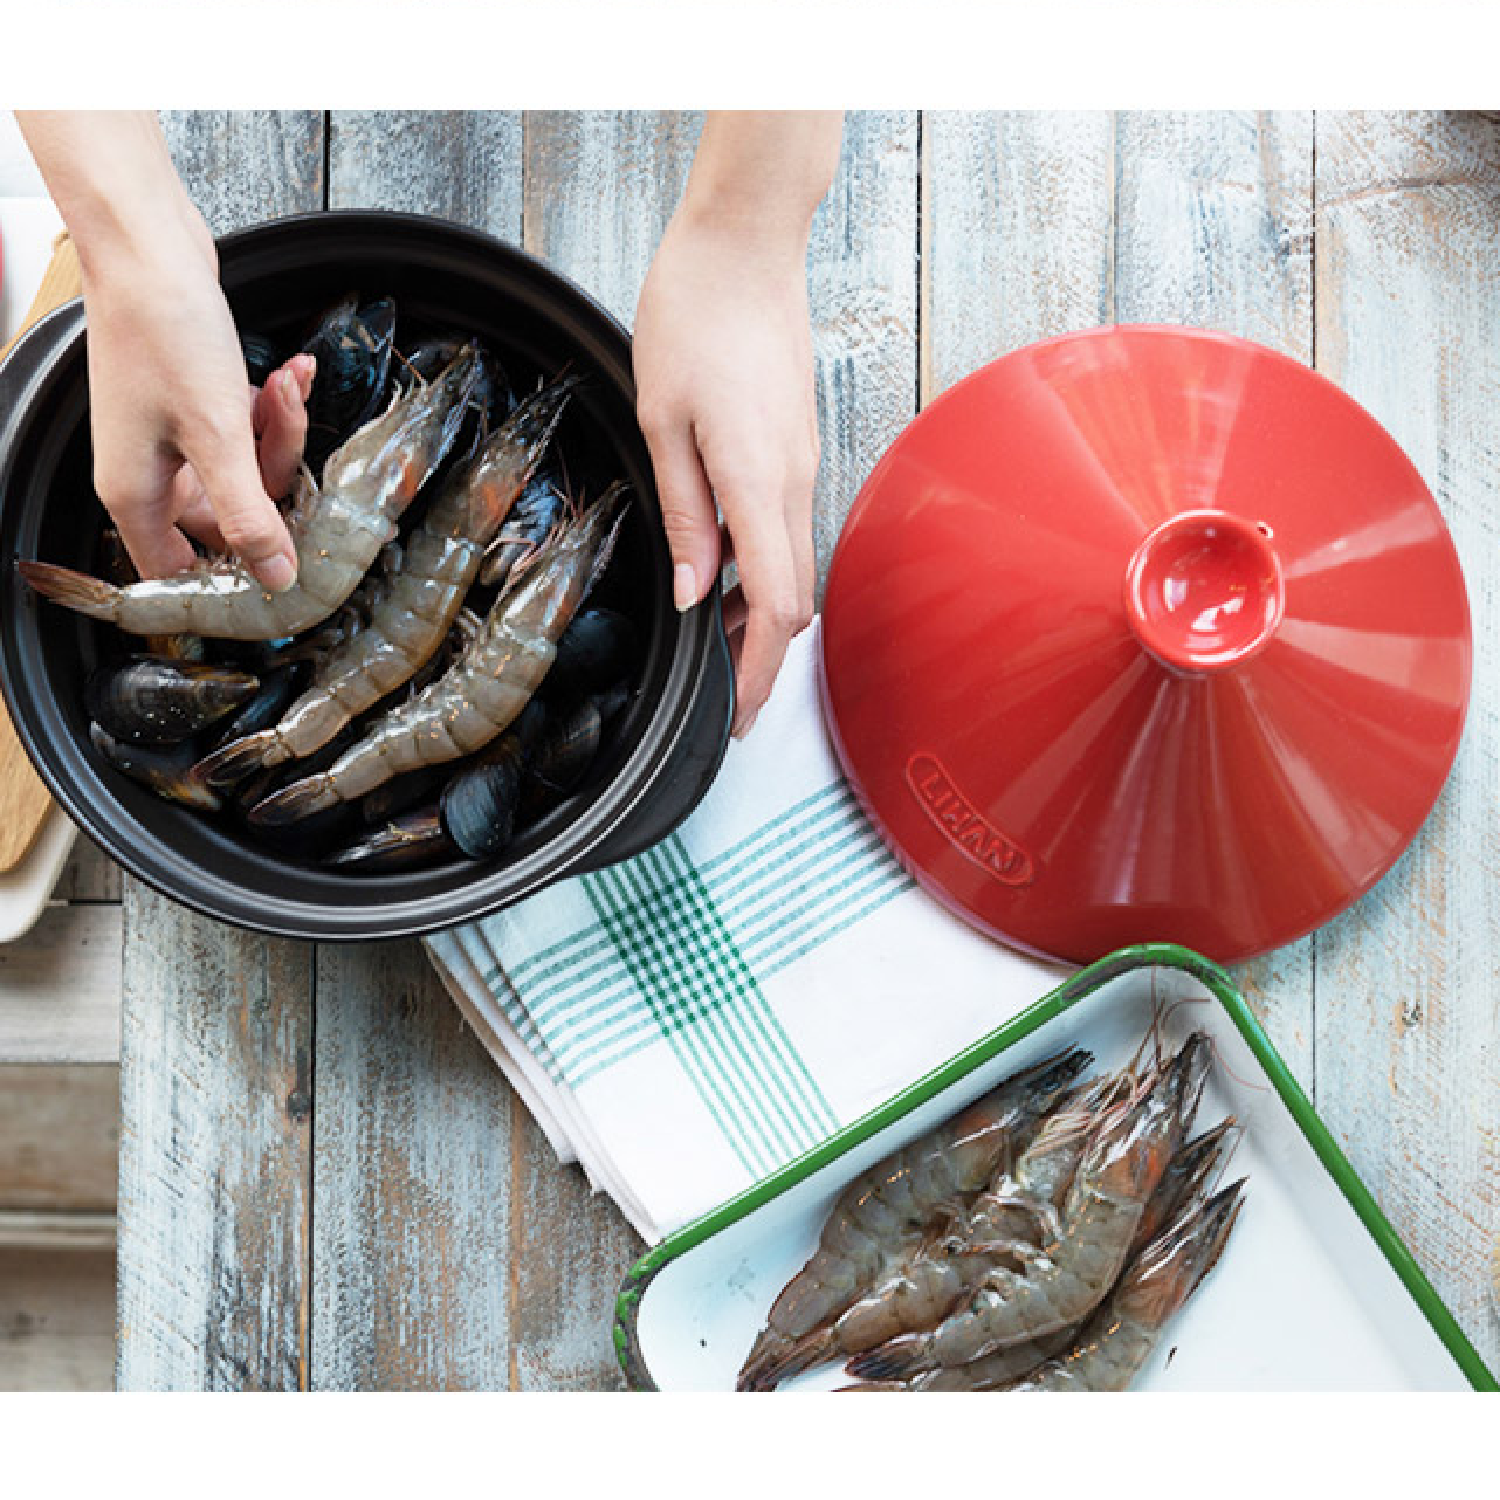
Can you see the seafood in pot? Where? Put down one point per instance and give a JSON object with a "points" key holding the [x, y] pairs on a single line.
{"points": [[338, 527], [388, 665], [352, 345], [420, 599], [473, 702]]}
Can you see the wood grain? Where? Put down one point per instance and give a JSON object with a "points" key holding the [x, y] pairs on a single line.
{"points": [[1408, 1041], [59, 1137], [412, 1183], [464, 166], [56, 1319], [1017, 234], [216, 1055], [863, 299], [89, 875], [60, 988]]}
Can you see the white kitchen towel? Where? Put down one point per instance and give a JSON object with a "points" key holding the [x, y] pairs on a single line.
{"points": [[684, 1023]]}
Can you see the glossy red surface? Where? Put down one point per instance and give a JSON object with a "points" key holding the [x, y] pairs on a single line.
{"points": [[1146, 634]]}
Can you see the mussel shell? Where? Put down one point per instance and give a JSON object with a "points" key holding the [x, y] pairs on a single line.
{"points": [[599, 647], [352, 344], [151, 700], [479, 805], [262, 357], [272, 699], [537, 510], [404, 843], [168, 772]]}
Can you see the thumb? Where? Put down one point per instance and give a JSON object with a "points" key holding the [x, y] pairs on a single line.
{"points": [[688, 515], [226, 464]]}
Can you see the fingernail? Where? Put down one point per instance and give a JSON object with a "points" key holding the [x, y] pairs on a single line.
{"points": [[743, 729], [278, 573], [684, 587]]}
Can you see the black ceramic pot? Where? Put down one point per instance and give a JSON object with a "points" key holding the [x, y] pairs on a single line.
{"points": [[277, 277]]}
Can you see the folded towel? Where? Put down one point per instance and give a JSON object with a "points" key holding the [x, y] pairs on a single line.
{"points": [[687, 1021]]}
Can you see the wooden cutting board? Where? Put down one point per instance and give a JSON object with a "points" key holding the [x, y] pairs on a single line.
{"points": [[24, 800]]}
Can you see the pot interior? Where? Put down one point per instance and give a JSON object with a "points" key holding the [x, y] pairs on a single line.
{"points": [[278, 279]]}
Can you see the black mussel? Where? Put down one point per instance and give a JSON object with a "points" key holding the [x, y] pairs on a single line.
{"points": [[407, 842], [567, 752], [352, 344], [429, 357], [402, 793], [479, 805], [262, 358], [152, 701], [599, 647], [538, 508], [310, 837], [167, 771], [277, 689]]}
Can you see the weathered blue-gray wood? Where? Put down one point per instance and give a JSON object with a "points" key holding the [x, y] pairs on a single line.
{"points": [[1408, 981]]}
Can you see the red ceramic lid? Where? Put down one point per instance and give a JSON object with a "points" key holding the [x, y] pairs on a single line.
{"points": [[1146, 634]]}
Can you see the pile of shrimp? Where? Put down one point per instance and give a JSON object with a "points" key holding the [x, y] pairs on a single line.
{"points": [[431, 685], [1040, 1240]]}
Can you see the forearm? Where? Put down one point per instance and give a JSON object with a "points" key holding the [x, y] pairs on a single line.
{"points": [[763, 173], [113, 181]]}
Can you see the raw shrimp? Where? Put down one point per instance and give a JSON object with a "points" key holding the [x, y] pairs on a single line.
{"points": [[490, 684], [1185, 1178], [880, 1214], [419, 601], [338, 527], [1016, 1213], [1120, 1337], [1062, 1284]]}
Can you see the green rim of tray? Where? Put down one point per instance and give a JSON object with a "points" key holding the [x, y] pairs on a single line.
{"points": [[1085, 982]]}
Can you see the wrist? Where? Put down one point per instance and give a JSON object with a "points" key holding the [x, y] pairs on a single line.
{"points": [[114, 184]]}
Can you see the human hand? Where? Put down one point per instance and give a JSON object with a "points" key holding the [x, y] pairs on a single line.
{"points": [[724, 376], [183, 446]]}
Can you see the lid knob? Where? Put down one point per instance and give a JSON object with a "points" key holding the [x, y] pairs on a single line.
{"points": [[1204, 591]]}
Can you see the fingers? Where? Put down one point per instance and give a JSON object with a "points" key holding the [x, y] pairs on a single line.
{"points": [[687, 508], [156, 547], [280, 422], [223, 457]]}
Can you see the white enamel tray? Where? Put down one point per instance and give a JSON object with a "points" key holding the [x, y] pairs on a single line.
{"points": [[1314, 1291]]}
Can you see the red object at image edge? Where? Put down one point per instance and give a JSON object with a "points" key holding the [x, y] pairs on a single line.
{"points": [[1146, 634]]}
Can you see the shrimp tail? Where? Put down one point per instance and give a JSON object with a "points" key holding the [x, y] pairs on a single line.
{"points": [[776, 1358], [313, 794], [233, 762], [898, 1359], [77, 591]]}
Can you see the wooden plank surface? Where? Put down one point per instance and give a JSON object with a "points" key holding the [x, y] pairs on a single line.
{"points": [[59, 1137], [56, 1319], [216, 1053], [60, 988], [1408, 1042]]}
